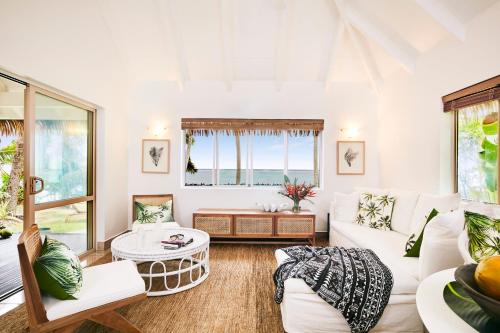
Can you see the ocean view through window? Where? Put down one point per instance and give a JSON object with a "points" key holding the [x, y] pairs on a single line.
{"points": [[226, 158]]}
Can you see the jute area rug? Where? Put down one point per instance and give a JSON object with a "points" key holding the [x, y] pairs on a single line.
{"points": [[236, 297]]}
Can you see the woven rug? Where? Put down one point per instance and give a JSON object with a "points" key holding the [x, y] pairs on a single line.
{"points": [[236, 297]]}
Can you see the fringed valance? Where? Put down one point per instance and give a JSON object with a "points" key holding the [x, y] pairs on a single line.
{"points": [[235, 126]]}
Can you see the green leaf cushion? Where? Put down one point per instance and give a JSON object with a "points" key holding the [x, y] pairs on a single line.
{"points": [[375, 211], [58, 270], [414, 242], [149, 213], [484, 235]]}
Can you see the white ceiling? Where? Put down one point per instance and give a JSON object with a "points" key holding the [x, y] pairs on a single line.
{"points": [[280, 40], [264, 40]]}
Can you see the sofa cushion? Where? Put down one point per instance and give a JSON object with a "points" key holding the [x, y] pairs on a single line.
{"points": [[439, 249], [414, 242], [427, 202], [374, 190], [375, 211], [388, 245], [344, 207], [403, 210], [102, 284], [403, 284]]}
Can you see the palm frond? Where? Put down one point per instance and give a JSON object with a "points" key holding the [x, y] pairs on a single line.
{"points": [[11, 127]]}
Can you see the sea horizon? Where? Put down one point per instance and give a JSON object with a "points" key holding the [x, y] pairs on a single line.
{"points": [[261, 177]]}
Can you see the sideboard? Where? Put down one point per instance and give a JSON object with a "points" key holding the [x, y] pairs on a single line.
{"points": [[251, 225]]}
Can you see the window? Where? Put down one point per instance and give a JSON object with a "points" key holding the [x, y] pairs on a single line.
{"points": [[231, 159], [477, 152], [268, 160], [476, 140], [302, 159], [232, 155]]}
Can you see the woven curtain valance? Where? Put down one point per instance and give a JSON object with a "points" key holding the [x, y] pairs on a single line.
{"points": [[235, 126], [480, 97]]}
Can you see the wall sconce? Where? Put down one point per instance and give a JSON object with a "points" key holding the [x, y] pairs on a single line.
{"points": [[157, 130], [349, 133]]}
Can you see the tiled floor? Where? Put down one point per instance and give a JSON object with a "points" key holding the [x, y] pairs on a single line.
{"points": [[18, 299]]}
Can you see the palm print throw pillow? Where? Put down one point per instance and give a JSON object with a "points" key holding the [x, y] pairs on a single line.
{"points": [[375, 211]]}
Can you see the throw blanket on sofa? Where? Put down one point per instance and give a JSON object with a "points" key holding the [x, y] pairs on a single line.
{"points": [[354, 281]]}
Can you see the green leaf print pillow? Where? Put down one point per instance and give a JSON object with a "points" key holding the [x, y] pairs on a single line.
{"points": [[58, 270], [484, 235], [150, 213]]}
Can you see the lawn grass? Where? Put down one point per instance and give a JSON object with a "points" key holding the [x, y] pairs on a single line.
{"points": [[59, 220]]}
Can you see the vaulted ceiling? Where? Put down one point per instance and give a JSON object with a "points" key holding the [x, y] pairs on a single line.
{"points": [[263, 40]]}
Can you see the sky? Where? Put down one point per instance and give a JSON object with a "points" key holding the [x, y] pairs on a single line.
{"points": [[6, 140], [268, 152]]}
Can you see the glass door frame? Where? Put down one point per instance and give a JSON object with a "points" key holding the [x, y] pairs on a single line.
{"points": [[30, 207]]}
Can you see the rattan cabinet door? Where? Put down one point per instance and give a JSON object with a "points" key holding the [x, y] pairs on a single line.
{"points": [[251, 226], [214, 225], [295, 226]]}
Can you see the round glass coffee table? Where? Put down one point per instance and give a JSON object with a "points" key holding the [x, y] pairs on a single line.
{"points": [[187, 266]]}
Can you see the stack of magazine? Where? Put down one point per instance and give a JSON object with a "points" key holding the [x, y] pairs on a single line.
{"points": [[176, 242]]}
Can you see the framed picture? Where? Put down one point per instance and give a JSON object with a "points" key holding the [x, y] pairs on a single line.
{"points": [[155, 156], [350, 157]]}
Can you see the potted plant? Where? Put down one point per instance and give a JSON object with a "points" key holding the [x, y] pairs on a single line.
{"points": [[297, 192]]}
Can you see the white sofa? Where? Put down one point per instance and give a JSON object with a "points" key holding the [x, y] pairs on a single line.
{"points": [[304, 311]]}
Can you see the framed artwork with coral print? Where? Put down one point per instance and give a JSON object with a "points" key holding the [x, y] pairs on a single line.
{"points": [[155, 156], [350, 157]]}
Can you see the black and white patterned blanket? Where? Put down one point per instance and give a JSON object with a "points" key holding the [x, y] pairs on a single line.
{"points": [[354, 281]]}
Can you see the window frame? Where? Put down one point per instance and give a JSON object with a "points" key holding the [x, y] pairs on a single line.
{"points": [[249, 165], [455, 156]]}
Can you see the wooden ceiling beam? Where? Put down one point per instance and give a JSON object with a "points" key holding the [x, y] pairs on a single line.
{"points": [[444, 17], [367, 59], [337, 40], [167, 14], [375, 30], [226, 33], [285, 17], [338, 33]]}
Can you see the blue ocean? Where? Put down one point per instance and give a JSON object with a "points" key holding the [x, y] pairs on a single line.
{"points": [[261, 177]]}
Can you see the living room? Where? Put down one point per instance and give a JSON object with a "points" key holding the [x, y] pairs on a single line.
{"points": [[206, 106]]}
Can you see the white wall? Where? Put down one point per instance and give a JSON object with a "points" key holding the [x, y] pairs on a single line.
{"points": [[72, 54], [415, 134], [162, 103]]}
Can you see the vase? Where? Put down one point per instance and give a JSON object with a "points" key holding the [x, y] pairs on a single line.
{"points": [[296, 207]]}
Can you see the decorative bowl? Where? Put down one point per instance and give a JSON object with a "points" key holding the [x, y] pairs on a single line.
{"points": [[465, 276]]}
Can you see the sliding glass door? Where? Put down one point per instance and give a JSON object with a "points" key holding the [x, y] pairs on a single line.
{"points": [[60, 168], [11, 181]]}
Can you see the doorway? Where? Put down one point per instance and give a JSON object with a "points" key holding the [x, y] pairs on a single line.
{"points": [[12, 94], [47, 149]]}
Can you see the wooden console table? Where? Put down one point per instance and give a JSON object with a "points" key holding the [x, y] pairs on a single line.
{"points": [[251, 225]]}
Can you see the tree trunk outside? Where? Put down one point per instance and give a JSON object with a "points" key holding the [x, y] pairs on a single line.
{"points": [[15, 176], [316, 169], [188, 154], [189, 143], [238, 159]]}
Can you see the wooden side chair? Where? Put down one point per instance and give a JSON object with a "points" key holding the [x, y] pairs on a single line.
{"points": [[105, 288]]}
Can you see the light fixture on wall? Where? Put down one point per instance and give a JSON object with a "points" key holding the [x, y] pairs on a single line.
{"points": [[349, 133], [157, 130]]}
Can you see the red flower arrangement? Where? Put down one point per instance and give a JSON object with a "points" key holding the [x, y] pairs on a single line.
{"points": [[297, 192]]}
